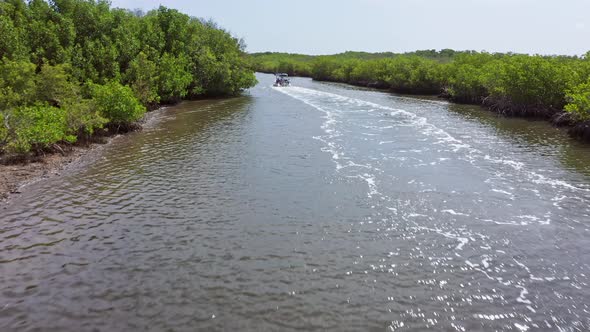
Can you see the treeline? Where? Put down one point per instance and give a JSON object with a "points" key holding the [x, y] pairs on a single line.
{"points": [[71, 67], [542, 86], [302, 65], [292, 64]]}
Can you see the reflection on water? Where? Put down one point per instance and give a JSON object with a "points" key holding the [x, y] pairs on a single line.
{"points": [[314, 207]]}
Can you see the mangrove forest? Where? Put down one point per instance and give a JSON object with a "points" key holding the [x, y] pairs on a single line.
{"points": [[71, 67]]}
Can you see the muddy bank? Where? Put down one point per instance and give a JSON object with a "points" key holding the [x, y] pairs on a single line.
{"points": [[14, 175]]}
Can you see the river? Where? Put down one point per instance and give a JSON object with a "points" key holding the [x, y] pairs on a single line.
{"points": [[314, 207]]}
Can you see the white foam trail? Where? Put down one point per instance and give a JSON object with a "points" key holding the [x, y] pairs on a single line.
{"points": [[453, 212], [504, 192], [522, 297], [371, 183], [429, 129], [462, 240], [307, 96], [486, 261], [514, 164], [329, 127]]}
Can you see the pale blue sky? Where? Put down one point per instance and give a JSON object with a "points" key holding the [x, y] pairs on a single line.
{"points": [[333, 26]]}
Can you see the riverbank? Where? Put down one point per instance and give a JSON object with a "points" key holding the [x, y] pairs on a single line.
{"points": [[26, 170], [13, 177]]}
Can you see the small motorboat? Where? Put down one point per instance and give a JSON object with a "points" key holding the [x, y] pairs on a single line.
{"points": [[282, 80]]}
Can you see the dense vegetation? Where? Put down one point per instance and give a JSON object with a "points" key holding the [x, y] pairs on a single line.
{"points": [[71, 67], [541, 86], [302, 65]]}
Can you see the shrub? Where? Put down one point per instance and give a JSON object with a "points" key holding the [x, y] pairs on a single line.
{"points": [[142, 75], [117, 103], [323, 68], [174, 79], [17, 83], [3, 132], [367, 71], [414, 74], [37, 127], [465, 83], [55, 85], [83, 118], [578, 100], [530, 81]]}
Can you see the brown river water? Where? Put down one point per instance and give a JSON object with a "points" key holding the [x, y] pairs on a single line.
{"points": [[317, 207]]}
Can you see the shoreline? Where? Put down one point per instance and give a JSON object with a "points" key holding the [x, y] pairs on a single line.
{"points": [[14, 177]]}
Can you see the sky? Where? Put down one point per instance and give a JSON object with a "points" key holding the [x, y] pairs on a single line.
{"points": [[334, 26]]}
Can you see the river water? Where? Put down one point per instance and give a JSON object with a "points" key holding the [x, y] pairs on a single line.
{"points": [[314, 207]]}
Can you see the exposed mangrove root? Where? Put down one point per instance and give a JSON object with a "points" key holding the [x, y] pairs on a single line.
{"points": [[123, 128], [581, 131], [563, 119], [99, 136]]}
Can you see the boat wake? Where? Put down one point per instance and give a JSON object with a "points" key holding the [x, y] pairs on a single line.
{"points": [[365, 138], [336, 107]]}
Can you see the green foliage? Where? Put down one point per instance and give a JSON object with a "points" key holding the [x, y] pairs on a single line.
{"points": [[466, 83], [143, 77], [55, 85], [126, 37], [578, 100], [36, 127], [219, 67], [117, 103], [344, 73], [11, 45], [103, 44], [12, 32], [292, 64], [302, 65], [323, 69], [17, 83], [3, 131], [365, 71], [49, 34], [83, 117], [174, 78], [466, 75], [413, 74], [530, 81], [402, 73]]}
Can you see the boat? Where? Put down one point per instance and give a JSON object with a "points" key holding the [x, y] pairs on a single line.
{"points": [[282, 80]]}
